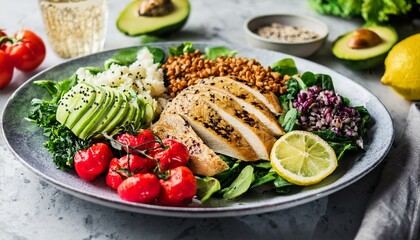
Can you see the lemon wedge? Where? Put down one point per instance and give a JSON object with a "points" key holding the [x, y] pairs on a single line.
{"points": [[303, 158]]}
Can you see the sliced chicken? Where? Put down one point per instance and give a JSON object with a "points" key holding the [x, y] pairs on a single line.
{"points": [[247, 100], [258, 136], [217, 133], [266, 97], [203, 160]]}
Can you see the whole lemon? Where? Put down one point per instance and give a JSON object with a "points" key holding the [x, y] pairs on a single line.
{"points": [[402, 68]]}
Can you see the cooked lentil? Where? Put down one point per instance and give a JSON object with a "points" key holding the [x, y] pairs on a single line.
{"points": [[286, 33], [185, 70]]}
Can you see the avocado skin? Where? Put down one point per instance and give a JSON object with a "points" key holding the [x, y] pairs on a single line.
{"points": [[368, 62], [160, 31]]}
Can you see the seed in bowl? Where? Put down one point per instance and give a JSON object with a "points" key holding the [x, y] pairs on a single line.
{"points": [[286, 33]]}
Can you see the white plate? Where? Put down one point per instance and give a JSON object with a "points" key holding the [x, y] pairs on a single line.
{"points": [[25, 140]]}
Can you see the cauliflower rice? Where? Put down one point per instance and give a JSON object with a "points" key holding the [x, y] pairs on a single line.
{"points": [[143, 77]]}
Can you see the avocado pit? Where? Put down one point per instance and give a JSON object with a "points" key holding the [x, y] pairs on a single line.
{"points": [[364, 38], [155, 8]]}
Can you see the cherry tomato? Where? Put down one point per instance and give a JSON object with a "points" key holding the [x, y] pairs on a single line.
{"points": [[90, 163], [142, 141], [174, 154], [128, 165], [6, 69], [27, 50], [140, 188], [179, 188]]}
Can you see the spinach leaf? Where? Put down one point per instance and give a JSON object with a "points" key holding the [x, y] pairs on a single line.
{"points": [[158, 54], [215, 52], [241, 183], [326, 81], [322, 80], [226, 178], [339, 142], [341, 147], [125, 57], [262, 164], [285, 67], [282, 186], [94, 70], [289, 121], [206, 187], [365, 116], [263, 177], [181, 49], [309, 79]]}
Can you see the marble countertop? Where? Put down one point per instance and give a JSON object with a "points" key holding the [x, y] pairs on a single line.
{"points": [[33, 209]]}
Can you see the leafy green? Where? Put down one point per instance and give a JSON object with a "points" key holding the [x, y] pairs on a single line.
{"points": [[310, 79], [241, 184], [185, 47], [215, 52], [282, 186], [126, 57], [372, 11], [285, 67], [206, 187], [289, 122], [263, 177], [365, 116], [62, 143], [339, 142], [341, 8]]}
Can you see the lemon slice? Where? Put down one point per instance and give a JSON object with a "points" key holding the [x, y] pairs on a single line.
{"points": [[303, 158]]}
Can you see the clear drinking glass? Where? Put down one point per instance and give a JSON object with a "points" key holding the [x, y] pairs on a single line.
{"points": [[75, 27]]}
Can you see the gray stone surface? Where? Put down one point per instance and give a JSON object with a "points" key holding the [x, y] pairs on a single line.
{"points": [[32, 209]]}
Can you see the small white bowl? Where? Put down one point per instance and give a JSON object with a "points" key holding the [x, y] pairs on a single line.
{"points": [[299, 49]]}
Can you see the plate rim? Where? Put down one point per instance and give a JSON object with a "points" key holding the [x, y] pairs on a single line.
{"points": [[193, 212]]}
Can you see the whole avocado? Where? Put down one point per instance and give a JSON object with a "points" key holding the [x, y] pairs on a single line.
{"points": [[132, 23], [368, 55]]}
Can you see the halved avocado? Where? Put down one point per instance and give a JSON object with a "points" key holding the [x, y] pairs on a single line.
{"points": [[368, 57], [131, 23]]}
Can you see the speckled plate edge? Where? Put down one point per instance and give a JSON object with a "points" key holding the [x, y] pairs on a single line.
{"points": [[380, 144]]}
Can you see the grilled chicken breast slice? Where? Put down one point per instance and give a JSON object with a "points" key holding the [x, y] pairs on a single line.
{"points": [[217, 133], [267, 97], [203, 160], [247, 100], [258, 136]]}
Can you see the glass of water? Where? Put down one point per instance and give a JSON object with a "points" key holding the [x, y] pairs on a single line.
{"points": [[75, 27]]}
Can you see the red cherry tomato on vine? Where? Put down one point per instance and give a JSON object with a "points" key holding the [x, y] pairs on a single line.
{"points": [[128, 165], [6, 69], [179, 188], [90, 163], [140, 188], [174, 154], [26, 49], [142, 141]]}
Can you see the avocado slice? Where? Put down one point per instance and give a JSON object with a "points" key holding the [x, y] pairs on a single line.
{"points": [[84, 121], [122, 111], [81, 102], [112, 112], [369, 57], [99, 112], [131, 23], [68, 102]]}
